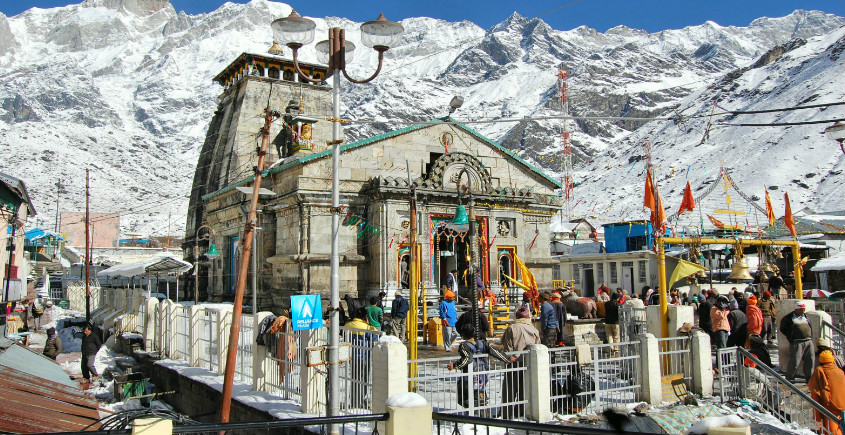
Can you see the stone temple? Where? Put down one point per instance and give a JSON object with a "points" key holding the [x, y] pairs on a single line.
{"points": [[513, 201]]}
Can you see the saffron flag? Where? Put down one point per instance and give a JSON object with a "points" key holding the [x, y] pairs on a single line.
{"points": [[787, 218], [528, 282], [770, 212], [717, 222], [688, 204], [648, 198]]}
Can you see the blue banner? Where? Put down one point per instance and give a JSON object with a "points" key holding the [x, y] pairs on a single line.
{"points": [[306, 311]]}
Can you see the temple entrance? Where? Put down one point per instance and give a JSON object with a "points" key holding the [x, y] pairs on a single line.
{"points": [[451, 255]]}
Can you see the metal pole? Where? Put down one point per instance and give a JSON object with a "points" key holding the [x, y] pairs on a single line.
{"points": [[14, 222], [255, 265], [87, 251], [334, 288], [413, 281], [243, 269], [796, 265], [661, 280]]}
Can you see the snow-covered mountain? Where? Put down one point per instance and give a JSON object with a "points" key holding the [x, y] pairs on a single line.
{"points": [[123, 87]]}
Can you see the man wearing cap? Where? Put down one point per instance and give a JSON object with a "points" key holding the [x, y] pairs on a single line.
{"points": [[519, 335], [767, 308], [739, 325], [827, 387], [796, 328], [548, 321], [452, 281], [398, 315], [559, 313], [704, 320], [449, 317], [611, 321]]}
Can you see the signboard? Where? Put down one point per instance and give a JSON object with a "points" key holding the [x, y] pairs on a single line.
{"points": [[307, 312]]}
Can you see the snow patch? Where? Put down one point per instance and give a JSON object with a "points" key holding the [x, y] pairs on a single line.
{"points": [[406, 400], [703, 426]]}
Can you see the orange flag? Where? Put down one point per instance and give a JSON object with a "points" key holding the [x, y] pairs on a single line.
{"points": [[787, 218], [688, 204], [717, 222], [770, 212], [648, 198]]}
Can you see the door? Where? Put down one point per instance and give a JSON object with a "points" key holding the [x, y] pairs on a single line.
{"points": [[628, 279], [589, 281]]}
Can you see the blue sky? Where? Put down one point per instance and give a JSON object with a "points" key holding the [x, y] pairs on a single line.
{"points": [[651, 15]]}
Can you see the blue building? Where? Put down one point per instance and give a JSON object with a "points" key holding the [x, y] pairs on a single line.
{"points": [[628, 236]]}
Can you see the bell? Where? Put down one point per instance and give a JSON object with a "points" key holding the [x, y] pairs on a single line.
{"points": [[276, 50], [739, 271], [765, 268], [460, 216], [701, 274]]}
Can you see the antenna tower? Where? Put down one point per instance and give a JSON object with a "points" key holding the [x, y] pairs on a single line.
{"points": [[568, 182]]}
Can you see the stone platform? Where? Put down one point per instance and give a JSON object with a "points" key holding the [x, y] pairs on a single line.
{"points": [[583, 331]]}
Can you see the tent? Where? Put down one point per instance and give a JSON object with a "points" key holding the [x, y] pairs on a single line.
{"points": [[162, 265]]}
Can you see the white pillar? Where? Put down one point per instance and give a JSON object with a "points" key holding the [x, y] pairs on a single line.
{"points": [[538, 377], [259, 355], [312, 380], [409, 413], [149, 323], [650, 365], [390, 375], [702, 365], [224, 324], [170, 331]]}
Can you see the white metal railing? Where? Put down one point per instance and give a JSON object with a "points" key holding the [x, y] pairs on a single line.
{"points": [[246, 346], [182, 333], [611, 377], [632, 322], [356, 375], [676, 359]]}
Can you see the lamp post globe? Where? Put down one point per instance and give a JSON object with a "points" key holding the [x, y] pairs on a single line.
{"points": [[381, 33], [293, 30]]}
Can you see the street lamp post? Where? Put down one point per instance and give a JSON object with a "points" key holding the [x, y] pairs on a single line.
{"points": [[211, 254], [473, 243], [380, 34]]}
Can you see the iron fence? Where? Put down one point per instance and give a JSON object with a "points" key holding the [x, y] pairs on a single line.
{"points": [[497, 391], [246, 346], [457, 424], [758, 382], [836, 337], [610, 376], [206, 349], [836, 309], [676, 359], [632, 322], [181, 333], [356, 374], [287, 360]]}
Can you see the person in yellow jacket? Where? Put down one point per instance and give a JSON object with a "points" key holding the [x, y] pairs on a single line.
{"points": [[827, 386]]}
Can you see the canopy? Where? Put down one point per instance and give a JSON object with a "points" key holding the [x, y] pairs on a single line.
{"points": [[36, 234], [157, 265], [836, 262]]}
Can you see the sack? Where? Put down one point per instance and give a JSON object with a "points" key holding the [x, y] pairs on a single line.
{"points": [[479, 364]]}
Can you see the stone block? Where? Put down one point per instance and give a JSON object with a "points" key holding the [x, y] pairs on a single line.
{"points": [[580, 332], [405, 420], [727, 430]]}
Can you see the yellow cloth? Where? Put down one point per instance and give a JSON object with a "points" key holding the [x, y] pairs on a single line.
{"points": [[826, 357], [683, 270]]}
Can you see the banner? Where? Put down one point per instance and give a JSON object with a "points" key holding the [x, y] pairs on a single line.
{"points": [[306, 312]]}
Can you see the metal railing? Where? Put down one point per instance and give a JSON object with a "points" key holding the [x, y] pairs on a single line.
{"points": [[246, 345], [610, 378], [457, 424], [836, 336], [836, 309], [356, 375], [206, 349], [758, 382], [498, 391], [676, 359], [181, 331], [632, 322]]}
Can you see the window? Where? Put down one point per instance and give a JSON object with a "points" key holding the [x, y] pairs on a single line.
{"points": [[641, 269], [600, 272], [614, 277], [576, 273], [636, 243], [556, 272], [627, 264]]}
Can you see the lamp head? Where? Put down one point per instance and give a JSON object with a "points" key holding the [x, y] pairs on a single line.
{"points": [[293, 30], [212, 252], [381, 33]]}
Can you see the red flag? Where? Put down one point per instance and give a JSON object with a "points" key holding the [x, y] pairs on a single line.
{"points": [[787, 218], [688, 204], [717, 222], [648, 198], [770, 212]]}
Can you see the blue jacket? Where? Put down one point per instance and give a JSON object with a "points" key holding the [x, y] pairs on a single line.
{"points": [[399, 309], [448, 312], [548, 320]]}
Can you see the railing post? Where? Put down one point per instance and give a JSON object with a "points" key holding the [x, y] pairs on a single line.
{"points": [[224, 324], [538, 375], [390, 362], [259, 354], [702, 365], [312, 380], [171, 328], [195, 313], [409, 413], [150, 323], [650, 365]]}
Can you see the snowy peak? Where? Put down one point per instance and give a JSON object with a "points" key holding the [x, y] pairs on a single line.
{"points": [[138, 7]]}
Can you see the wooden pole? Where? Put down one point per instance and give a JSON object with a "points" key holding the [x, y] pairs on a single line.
{"points": [[243, 270], [87, 248]]}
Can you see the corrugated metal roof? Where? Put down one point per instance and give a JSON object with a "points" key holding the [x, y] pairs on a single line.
{"points": [[33, 364], [35, 404]]}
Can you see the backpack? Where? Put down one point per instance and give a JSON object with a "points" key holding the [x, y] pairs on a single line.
{"points": [[479, 364]]}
